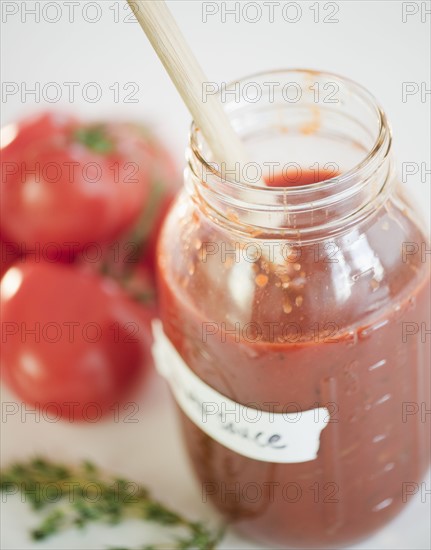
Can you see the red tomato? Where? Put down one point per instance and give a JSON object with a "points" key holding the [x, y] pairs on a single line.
{"points": [[71, 341], [66, 184], [130, 259], [166, 183], [10, 251]]}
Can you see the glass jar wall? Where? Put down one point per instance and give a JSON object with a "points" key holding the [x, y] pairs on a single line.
{"points": [[303, 295]]}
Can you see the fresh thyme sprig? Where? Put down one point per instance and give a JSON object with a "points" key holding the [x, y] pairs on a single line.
{"points": [[81, 495]]}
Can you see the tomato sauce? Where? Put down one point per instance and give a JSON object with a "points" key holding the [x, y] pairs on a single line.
{"points": [[294, 178], [310, 341]]}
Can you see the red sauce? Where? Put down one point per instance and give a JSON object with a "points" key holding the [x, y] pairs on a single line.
{"points": [[344, 348], [295, 178]]}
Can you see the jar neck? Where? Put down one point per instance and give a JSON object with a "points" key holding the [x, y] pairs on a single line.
{"points": [[303, 120]]}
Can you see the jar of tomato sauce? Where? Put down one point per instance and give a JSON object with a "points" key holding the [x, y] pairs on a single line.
{"points": [[295, 316]]}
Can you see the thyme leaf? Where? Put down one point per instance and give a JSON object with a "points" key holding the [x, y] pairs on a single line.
{"points": [[74, 497]]}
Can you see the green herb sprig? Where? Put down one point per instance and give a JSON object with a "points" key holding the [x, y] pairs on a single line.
{"points": [[78, 496]]}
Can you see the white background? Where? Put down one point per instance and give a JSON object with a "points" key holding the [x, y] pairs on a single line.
{"points": [[370, 44]]}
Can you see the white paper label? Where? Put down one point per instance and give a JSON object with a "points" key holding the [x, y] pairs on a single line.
{"points": [[257, 434]]}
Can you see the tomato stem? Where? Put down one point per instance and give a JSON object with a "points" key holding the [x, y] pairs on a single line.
{"points": [[95, 138]]}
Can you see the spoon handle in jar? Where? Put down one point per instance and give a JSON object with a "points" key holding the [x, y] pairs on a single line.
{"points": [[167, 40]]}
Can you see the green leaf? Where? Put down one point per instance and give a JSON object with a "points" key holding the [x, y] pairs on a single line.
{"points": [[86, 495], [50, 525]]}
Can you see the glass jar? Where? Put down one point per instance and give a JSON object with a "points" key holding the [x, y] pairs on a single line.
{"points": [[295, 316]]}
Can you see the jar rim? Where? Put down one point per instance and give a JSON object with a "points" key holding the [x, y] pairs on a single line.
{"points": [[383, 137]]}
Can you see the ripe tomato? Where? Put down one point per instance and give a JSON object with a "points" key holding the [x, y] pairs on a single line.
{"points": [[9, 253], [165, 186], [130, 259], [65, 183], [71, 341]]}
